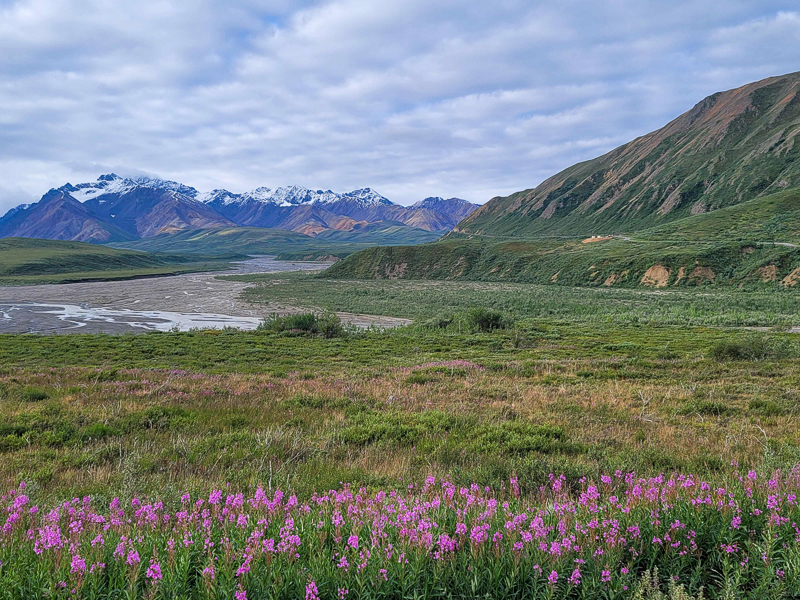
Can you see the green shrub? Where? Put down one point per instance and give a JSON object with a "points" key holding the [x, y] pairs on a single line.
{"points": [[767, 408], [98, 431], [519, 437], [478, 318], [327, 324], [419, 378], [34, 394], [330, 325], [369, 428], [706, 407], [442, 321], [754, 347]]}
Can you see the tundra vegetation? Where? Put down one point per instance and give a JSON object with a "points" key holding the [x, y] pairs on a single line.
{"points": [[517, 440]]}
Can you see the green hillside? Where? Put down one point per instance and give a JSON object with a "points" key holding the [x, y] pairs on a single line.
{"points": [[613, 262], [25, 261], [730, 148], [774, 218], [244, 240], [386, 233], [284, 243]]}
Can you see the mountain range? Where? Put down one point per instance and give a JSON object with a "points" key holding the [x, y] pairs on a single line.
{"points": [[118, 209]]}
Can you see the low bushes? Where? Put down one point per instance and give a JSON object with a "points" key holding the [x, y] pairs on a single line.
{"points": [[476, 319], [752, 347], [327, 325]]}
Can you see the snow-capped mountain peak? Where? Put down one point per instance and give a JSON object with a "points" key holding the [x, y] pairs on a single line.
{"points": [[367, 197], [163, 184], [114, 184], [105, 184], [294, 195], [260, 194], [220, 196]]}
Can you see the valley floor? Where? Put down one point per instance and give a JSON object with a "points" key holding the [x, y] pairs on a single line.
{"points": [[193, 293], [558, 422]]}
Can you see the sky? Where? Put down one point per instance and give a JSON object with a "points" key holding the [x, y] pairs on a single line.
{"points": [[412, 98]]}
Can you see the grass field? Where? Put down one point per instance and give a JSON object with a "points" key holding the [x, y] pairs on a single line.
{"points": [[32, 261], [412, 299], [543, 402], [153, 412]]}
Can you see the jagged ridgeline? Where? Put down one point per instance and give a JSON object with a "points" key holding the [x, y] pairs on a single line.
{"points": [[710, 197]]}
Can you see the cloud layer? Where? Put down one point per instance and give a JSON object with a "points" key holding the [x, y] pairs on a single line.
{"points": [[414, 98]]}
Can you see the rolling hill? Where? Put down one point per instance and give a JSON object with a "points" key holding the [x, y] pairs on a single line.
{"points": [[603, 262], [25, 261], [285, 244]]}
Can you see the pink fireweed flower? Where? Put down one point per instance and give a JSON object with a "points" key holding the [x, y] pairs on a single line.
{"points": [[352, 541], [240, 594], [552, 578], [154, 572], [78, 565], [575, 578], [311, 591], [97, 567], [343, 564], [133, 557]]}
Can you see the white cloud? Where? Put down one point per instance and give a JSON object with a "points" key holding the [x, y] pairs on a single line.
{"points": [[414, 98]]}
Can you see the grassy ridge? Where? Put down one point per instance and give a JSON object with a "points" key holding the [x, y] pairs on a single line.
{"points": [[25, 261], [288, 245], [614, 262], [774, 218], [735, 245], [731, 147]]}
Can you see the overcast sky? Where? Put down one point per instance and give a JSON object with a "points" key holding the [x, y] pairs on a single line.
{"points": [[413, 98]]}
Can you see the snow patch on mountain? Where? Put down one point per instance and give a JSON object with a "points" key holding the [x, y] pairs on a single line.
{"points": [[220, 196], [367, 197], [294, 195], [114, 184], [260, 194]]}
